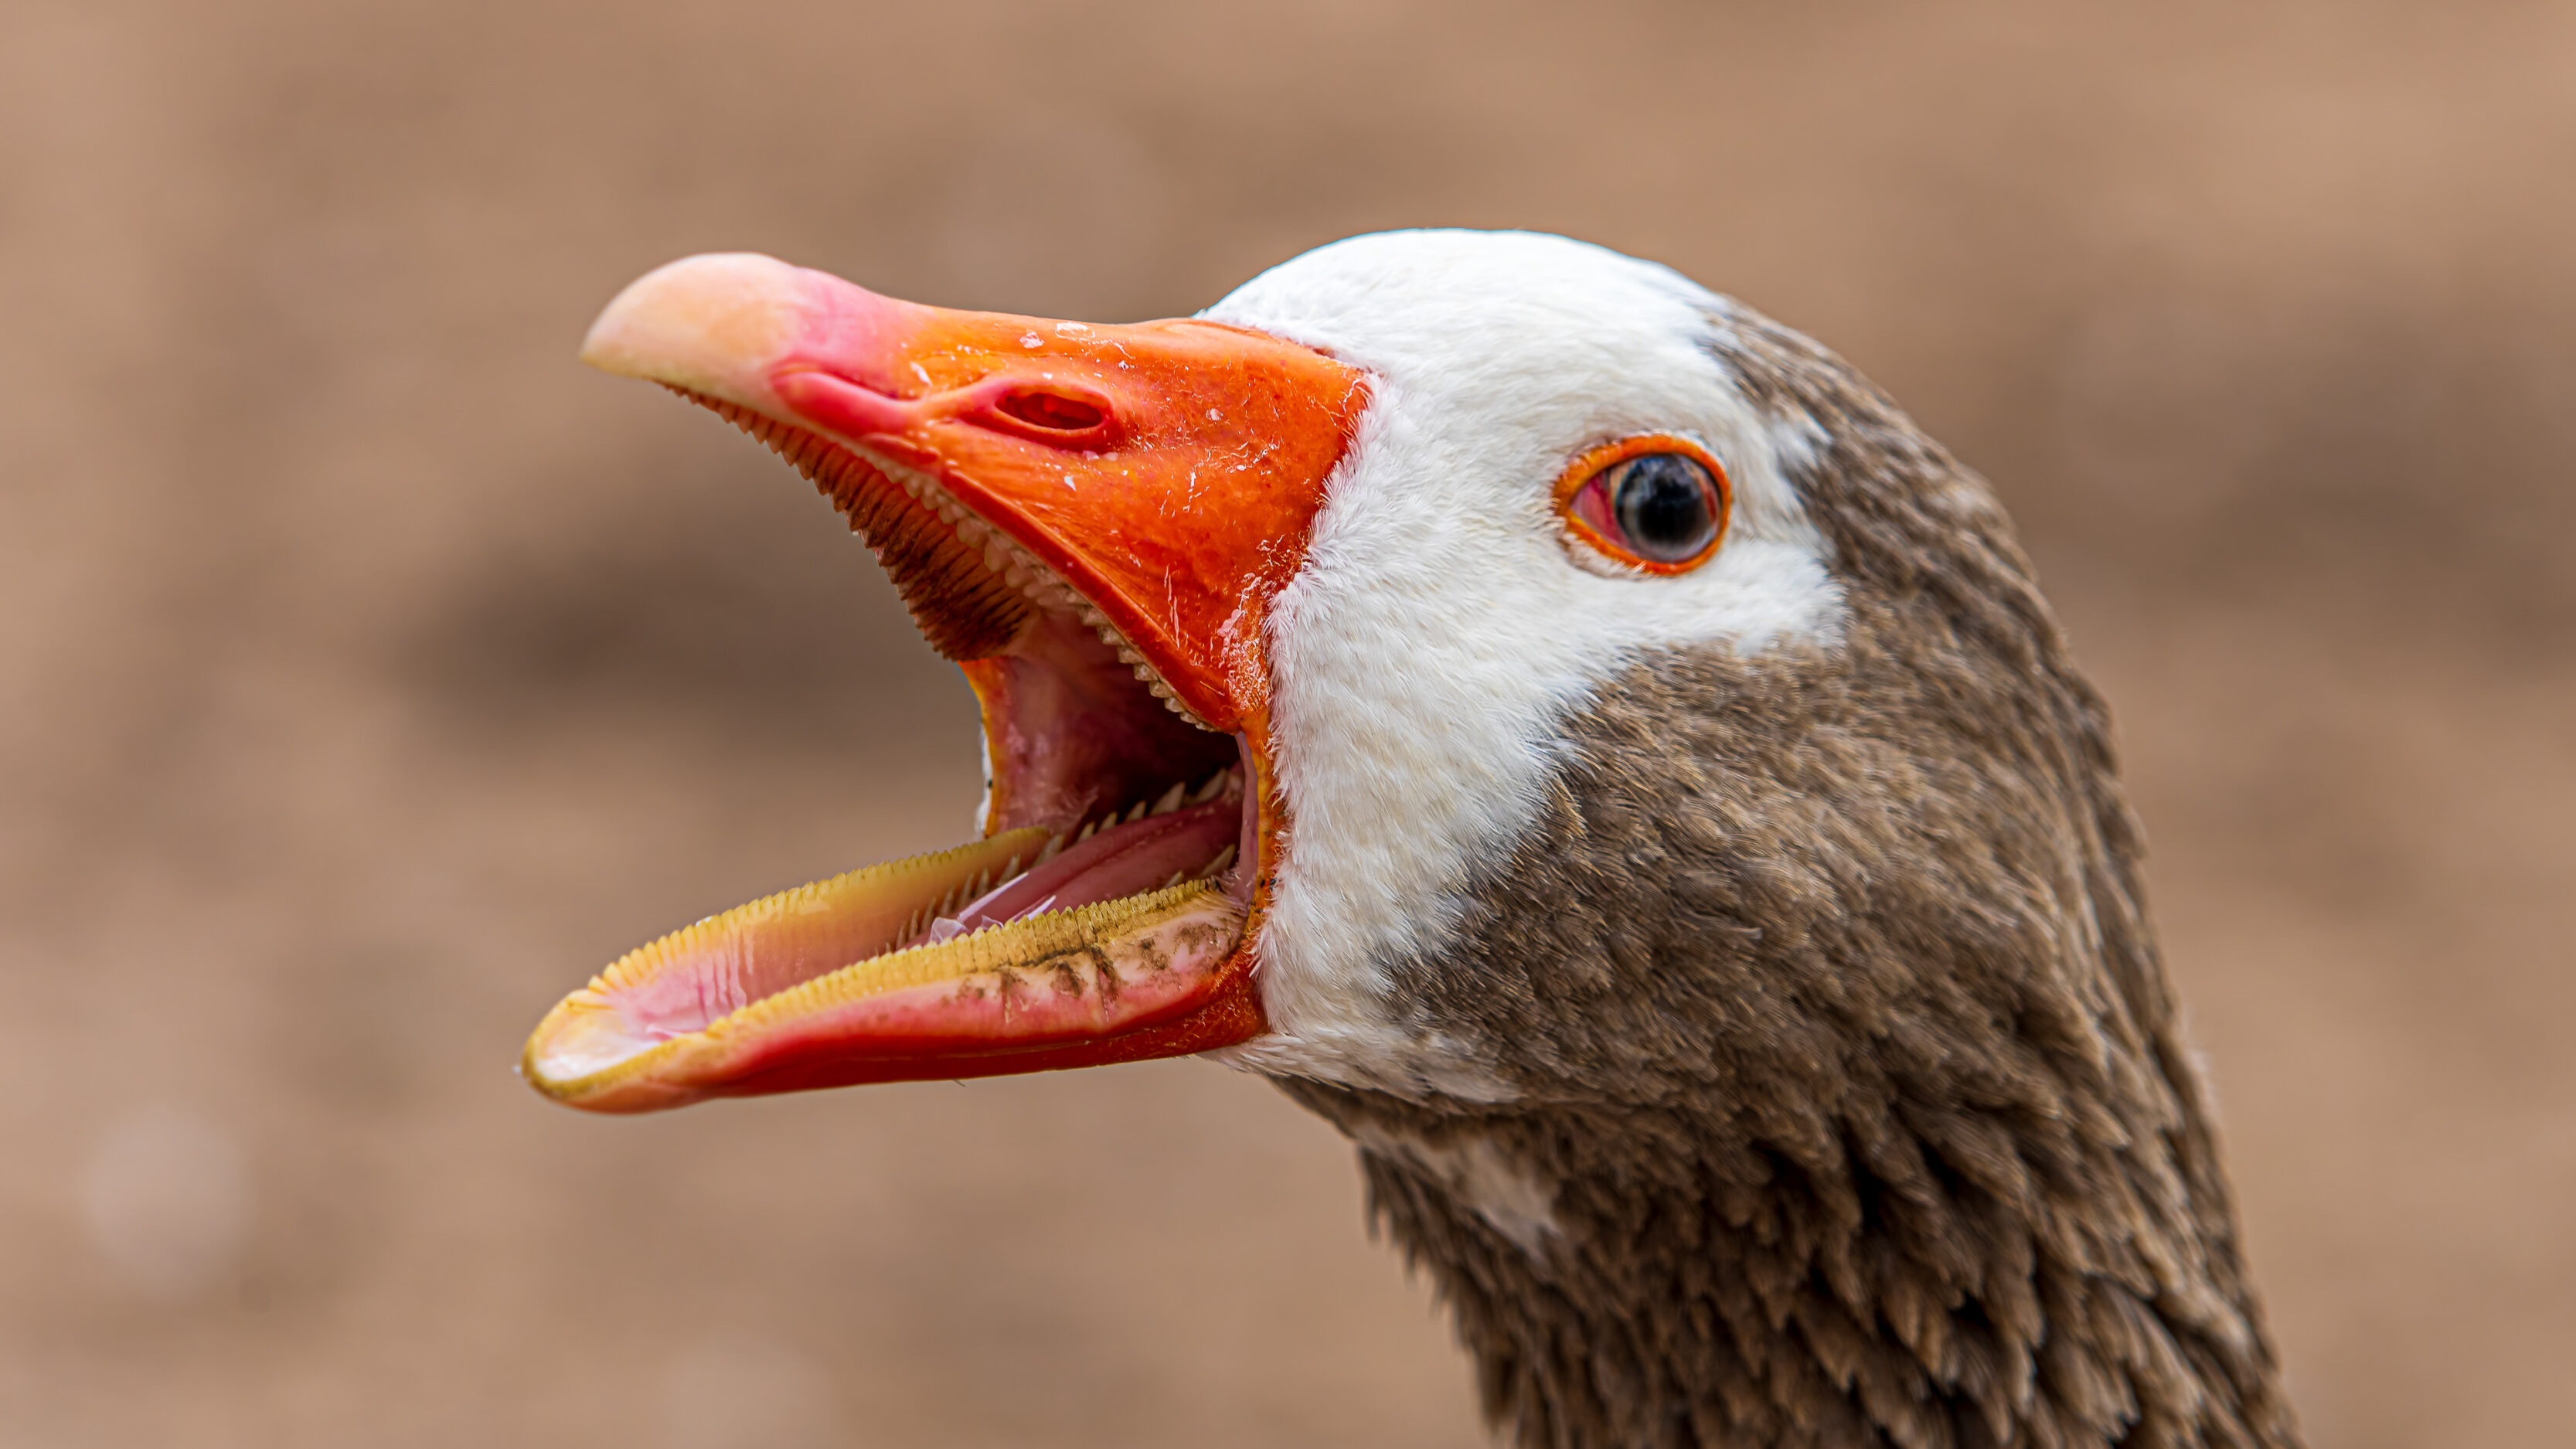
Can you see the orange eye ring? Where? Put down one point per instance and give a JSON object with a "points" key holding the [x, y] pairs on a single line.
{"points": [[1587, 499]]}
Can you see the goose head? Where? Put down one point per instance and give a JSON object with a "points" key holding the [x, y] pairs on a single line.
{"points": [[1570, 731]]}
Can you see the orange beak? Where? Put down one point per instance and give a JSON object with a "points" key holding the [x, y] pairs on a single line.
{"points": [[1086, 517]]}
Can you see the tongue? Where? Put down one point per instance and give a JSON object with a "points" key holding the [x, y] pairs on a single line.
{"points": [[1123, 860]]}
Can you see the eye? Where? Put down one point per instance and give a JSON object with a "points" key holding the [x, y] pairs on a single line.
{"points": [[1656, 503]]}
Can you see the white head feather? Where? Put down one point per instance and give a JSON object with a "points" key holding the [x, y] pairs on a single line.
{"points": [[1442, 626]]}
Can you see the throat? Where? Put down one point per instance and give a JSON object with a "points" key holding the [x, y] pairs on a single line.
{"points": [[1678, 1277]]}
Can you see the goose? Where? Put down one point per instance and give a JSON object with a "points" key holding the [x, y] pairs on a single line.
{"points": [[1571, 732]]}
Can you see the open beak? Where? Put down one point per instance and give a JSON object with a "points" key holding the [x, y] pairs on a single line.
{"points": [[1093, 520]]}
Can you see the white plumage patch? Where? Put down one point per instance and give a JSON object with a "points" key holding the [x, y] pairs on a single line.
{"points": [[1443, 625], [1481, 1177]]}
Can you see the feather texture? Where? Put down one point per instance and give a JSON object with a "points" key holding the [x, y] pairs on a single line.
{"points": [[1834, 1030]]}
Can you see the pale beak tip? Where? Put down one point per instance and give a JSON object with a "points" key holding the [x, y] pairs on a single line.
{"points": [[706, 323]]}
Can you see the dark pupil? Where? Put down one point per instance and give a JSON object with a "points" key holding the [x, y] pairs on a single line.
{"points": [[1662, 500]]}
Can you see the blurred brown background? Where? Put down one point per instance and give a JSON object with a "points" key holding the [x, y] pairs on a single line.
{"points": [[374, 672]]}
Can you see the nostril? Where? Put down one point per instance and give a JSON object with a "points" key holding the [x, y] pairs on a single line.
{"points": [[1053, 411]]}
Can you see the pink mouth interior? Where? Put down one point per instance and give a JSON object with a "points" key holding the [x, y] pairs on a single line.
{"points": [[1075, 733], [1139, 799], [1124, 860]]}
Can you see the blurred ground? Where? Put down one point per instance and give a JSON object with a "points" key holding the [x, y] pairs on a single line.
{"points": [[373, 672]]}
